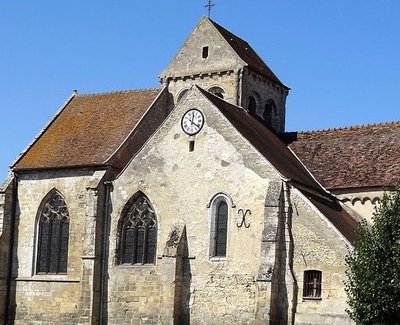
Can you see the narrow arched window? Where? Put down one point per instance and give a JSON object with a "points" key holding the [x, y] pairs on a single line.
{"points": [[181, 94], [138, 232], [219, 227], [251, 105], [53, 233], [312, 285], [217, 91], [269, 112]]}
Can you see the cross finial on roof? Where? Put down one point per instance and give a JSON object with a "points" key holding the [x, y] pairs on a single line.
{"points": [[209, 5]]}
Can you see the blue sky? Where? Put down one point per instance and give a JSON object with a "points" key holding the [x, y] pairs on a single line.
{"points": [[341, 58]]}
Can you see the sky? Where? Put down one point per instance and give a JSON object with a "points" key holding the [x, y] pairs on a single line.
{"points": [[340, 58]]}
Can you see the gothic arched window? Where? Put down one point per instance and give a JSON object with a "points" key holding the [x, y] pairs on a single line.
{"points": [[137, 232], [219, 227], [217, 91], [53, 232]]}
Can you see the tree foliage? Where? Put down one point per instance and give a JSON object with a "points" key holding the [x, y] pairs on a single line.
{"points": [[373, 267]]}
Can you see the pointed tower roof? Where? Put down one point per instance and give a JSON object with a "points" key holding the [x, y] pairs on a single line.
{"points": [[231, 52], [247, 53]]}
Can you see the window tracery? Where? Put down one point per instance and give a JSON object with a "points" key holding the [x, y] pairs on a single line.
{"points": [[53, 234], [138, 233]]}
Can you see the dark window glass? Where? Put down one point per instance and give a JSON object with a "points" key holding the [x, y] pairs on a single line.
{"points": [[180, 96], [204, 54], [53, 236], [138, 233], [139, 245], [269, 112], [221, 223], [151, 245], [64, 246], [251, 107], [128, 241], [217, 91], [43, 245], [312, 284]]}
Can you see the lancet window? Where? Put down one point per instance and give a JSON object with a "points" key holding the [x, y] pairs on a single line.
{"points": [[53, 233], [138, 232]]}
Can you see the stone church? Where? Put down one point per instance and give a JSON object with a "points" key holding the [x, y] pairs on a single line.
{"points": [[188, 203]]}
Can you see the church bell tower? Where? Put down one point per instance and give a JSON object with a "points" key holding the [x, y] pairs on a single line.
{"points": [[224, 64]]}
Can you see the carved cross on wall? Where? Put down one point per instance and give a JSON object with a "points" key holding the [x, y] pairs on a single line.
{"points": [[209, 6]]}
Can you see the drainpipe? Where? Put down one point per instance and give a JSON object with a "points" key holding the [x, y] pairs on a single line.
{"points": [[289, 216], [11, 246], [239, 87], [104, 254]]}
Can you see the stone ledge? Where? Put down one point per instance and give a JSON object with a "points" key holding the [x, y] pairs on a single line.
{"points": [[48, 278]]}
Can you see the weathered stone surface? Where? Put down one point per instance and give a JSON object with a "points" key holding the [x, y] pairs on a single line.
{"points": [[274, 233]]}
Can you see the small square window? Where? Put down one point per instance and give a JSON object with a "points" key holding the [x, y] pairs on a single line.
{"points": [[205, 52], [191, 145]]}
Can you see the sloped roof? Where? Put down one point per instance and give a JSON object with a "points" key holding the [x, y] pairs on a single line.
{"points": [[247, 54], [352, 157], [88, 130], [266, 142], [279, 155], [342, 221]]}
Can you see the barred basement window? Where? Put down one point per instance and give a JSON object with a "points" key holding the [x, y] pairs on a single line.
{"points": [[52, 254], [312, 284], [137, 232]]}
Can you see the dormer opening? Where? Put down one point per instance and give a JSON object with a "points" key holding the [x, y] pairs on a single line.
{"points": [[204, 53]]}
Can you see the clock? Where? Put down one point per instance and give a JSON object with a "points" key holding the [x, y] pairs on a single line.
{"points": [[192, 121]]}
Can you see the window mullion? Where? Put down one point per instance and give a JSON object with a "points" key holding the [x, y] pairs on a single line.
{"points": [[145, 245], [135, 245]]}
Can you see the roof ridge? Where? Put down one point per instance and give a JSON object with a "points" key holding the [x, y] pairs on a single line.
{"points": [[117, 91], [215, 23], [350, 127]]}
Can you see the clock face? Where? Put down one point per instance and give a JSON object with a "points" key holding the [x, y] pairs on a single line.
{"points": [[192, 121]]}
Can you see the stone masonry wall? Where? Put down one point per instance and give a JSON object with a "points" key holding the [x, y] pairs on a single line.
{"points": [[50, 298], [254, 83], [228, 81], [180, 185], [318, 246]]}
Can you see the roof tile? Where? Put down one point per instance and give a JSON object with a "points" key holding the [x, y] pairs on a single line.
{"points": [[352, 157], [88, 130]]}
